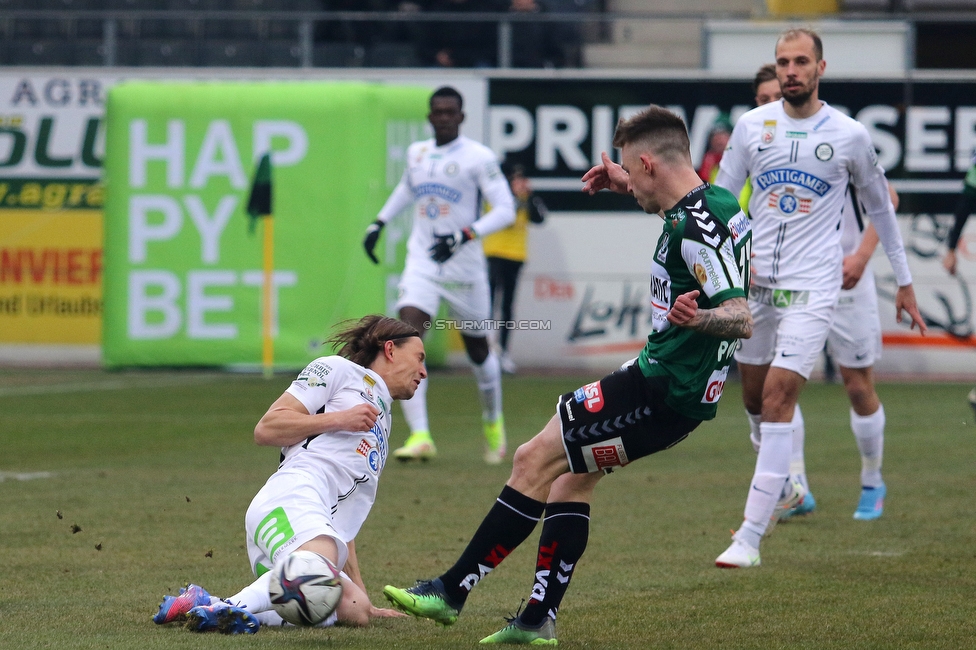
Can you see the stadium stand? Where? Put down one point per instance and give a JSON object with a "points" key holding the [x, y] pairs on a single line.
{"points": [[339, 55], [406, 33], [159, 52]]}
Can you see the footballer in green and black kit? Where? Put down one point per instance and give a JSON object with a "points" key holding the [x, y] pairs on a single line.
{"points": [[675, 383]]}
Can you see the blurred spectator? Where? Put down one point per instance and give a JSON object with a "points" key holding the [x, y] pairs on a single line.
{"points": [[464, 44], [718, 139], [965, 207], [534, 44], [366, 33], [506, 251]]}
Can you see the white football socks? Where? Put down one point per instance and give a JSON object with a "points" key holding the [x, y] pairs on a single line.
{"points": [[270, 617], [869, 434], [489, 378], [772, 471], [254, 597], [755, 419], [798, 468], [415, 409]]}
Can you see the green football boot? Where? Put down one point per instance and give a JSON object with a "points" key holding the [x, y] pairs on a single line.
{"points": [[495, 443], [418, 446], [517, 634], [426, 599]]}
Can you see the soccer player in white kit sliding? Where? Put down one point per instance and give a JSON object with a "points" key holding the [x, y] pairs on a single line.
{"points": [[333, 426], [447, 179], [854, 342], [801, 154]]}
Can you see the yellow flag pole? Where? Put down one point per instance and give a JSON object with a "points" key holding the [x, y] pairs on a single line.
{"points": [[267, 346]]}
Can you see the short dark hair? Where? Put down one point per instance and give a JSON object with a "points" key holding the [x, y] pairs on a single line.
{"points": [[797, 32], [657, 128], [447, 91], [764, 74], [512, 169], [360, 341]]}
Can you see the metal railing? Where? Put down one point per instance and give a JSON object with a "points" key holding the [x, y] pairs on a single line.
{"points": [[307, 20], [595, 25]]}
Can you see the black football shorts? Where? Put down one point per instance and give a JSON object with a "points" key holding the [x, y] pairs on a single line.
{"points": [[619, 419]]}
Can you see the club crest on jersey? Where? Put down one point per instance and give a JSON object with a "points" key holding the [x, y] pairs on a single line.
{"points": [[591, 396], [824, 152], [788, 203], [678, 216], [768, 131], [432, 209]]}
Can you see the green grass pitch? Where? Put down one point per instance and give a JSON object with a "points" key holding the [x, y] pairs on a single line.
{"points": [[155, 470]]}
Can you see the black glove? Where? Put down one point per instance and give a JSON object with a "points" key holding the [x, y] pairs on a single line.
{"points": [[372, 235], [446, 245]]}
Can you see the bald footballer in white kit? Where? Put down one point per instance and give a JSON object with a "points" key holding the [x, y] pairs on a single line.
{"points": [[801, 154]]}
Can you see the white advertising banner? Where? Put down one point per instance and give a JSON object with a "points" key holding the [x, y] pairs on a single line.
{"points": [[583, 296]]}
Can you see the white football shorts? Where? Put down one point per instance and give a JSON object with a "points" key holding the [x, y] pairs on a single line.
{"points": [[287, 512], [467, 301], [854, 340], [789, 328]]}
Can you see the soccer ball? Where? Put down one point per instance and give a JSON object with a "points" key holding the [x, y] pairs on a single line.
{"points": [[305, 588]]}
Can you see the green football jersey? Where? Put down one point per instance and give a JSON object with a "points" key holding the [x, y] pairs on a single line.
{"points": [[706, 245]]}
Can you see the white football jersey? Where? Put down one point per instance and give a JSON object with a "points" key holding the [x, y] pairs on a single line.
{"points": [[800, 170], [353, 461], [447, 186]]}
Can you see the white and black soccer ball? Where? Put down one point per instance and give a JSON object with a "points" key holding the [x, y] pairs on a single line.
{"points": [[305, 588]]}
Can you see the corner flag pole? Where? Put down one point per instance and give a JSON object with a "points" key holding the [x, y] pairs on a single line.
{"points": [[259, 205], [267, 343]]}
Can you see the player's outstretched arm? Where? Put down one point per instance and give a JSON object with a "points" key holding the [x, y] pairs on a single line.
{"points": [[287, 422], [355, 608], [905, 299], [352, 565], [607, 176], [730, 319]]}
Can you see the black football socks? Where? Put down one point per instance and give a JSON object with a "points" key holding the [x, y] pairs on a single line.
{"points": [[507, 524], [564, 534]]}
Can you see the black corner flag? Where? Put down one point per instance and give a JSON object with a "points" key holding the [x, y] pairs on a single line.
{"points": [[259, 204]]}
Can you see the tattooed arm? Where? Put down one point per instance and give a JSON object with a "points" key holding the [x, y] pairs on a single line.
{"points": [[730, 319]]}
